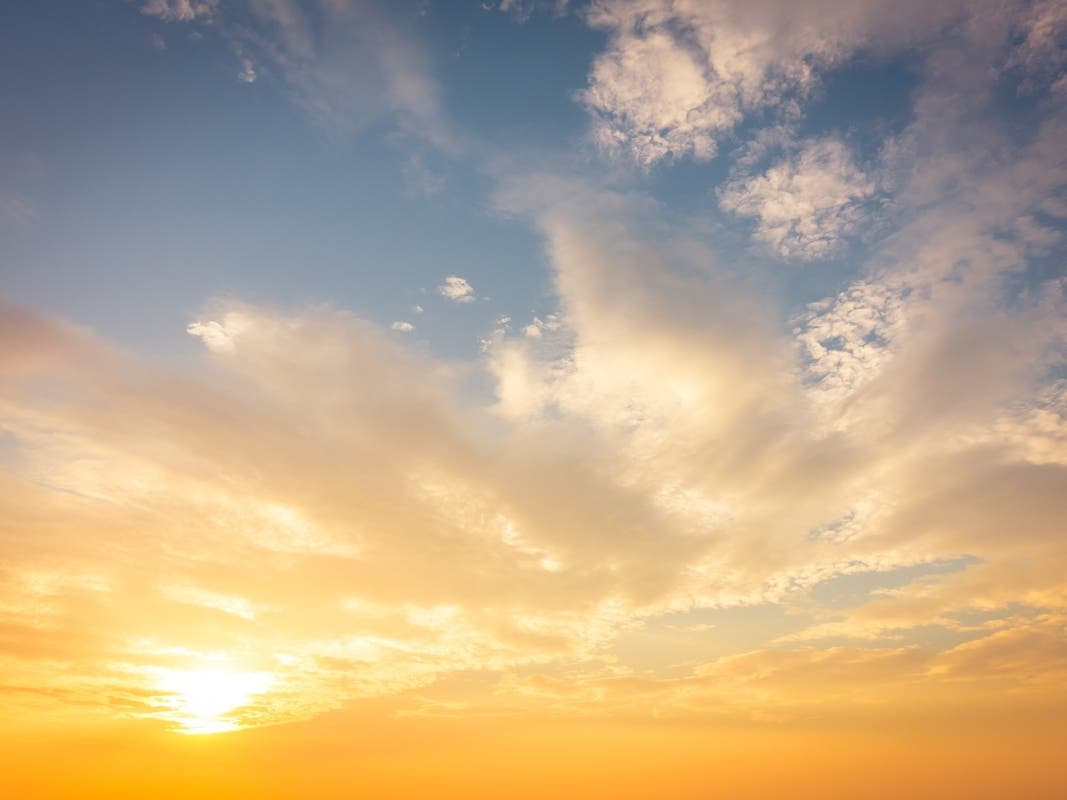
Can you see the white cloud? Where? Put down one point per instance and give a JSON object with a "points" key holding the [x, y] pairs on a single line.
{"points": [[848, 339], [403, 327], [247, 73], [180, 10], [537, 327], [677, 75], [652, 101], [457, 289], [807, 205], [220, 336]]}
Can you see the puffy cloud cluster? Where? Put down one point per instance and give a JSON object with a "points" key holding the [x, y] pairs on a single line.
{"points": [[678, 75], [807, 205]]}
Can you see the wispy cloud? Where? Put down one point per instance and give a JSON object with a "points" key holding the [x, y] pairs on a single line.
{"points": [[346, 64]]}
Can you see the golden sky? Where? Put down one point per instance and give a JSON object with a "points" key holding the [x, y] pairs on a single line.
{"points": [[760, 492]]}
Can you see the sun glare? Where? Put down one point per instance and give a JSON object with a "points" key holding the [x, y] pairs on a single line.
{"points": [[202, 701]]}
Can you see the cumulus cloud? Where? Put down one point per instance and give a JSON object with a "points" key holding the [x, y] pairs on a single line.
{"points": [[403, 327], [806, 206], [457, 289], [678, 76]]}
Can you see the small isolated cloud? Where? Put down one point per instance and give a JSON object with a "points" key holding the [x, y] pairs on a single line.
{"points": [[807, 205], [416, 309], [404, 327], [179, 10], [247, 73], [457, 289]]}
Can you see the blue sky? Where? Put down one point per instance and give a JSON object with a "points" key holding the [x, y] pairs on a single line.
{"points": [[158, 178], [165, 178], [639, 339]]}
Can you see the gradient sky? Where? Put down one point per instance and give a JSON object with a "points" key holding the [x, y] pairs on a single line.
{"points": [[532, 398]]}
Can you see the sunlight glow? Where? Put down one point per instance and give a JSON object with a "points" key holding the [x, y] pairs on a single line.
{"points": [[201, 701]]}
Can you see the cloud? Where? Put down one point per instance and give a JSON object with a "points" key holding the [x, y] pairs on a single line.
{"points": [[347, 65], [180, 10], [457, 289], [1039, 53], [247, 73], [522, 10], [805, 206], [403, 327], [678, 76], [657, 449], [328, 504], [195, 596]]}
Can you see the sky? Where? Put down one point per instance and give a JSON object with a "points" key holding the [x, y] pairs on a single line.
{"points": [[532, 398]]}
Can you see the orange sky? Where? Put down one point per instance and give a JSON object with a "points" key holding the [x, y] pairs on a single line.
{"points": [[361, 754]]}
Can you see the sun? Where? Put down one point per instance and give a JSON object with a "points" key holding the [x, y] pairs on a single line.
{"points": [[200, 701]]}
